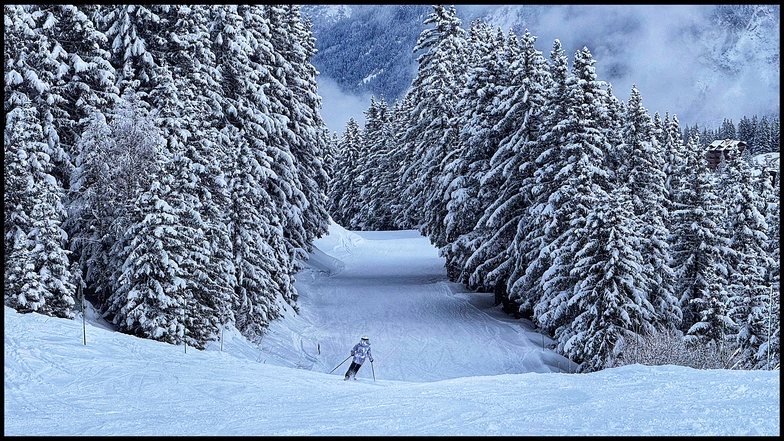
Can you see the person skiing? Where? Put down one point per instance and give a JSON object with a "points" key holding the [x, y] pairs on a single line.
{"points": [[360, 351]]}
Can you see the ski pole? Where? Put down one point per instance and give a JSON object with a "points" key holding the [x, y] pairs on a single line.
{"points": [[333, 369], [372, 369]]}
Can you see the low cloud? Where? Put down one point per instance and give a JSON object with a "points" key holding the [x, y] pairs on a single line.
{"points": [[669, 52], [338, 107]]}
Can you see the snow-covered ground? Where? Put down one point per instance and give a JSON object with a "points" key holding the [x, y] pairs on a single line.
{"points": [[447, 362]]}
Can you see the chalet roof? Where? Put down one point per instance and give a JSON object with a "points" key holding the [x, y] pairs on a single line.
{"points": [[727, 144]]}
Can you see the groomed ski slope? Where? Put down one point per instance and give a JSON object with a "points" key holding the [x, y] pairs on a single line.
{"points": [[392, 287], [447, 363]]}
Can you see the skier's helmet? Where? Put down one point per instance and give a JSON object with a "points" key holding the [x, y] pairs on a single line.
{"points": [[366, 338]]}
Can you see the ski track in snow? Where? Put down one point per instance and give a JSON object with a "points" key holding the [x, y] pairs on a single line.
{"points": [[459, 381], [395, 289]]}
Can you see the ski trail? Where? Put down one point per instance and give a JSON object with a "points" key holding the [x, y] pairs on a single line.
{"points": [[392, 286]]}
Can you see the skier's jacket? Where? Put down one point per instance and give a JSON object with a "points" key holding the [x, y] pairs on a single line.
{"points": [[361, 351]]}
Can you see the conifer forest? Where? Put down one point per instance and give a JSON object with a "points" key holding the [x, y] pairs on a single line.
{"points": [[170, 165]]}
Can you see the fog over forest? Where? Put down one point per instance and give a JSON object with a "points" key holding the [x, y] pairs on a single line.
{"points": [[704, 63]]}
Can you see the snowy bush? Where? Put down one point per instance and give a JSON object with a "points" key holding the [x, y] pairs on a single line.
{"points": [[670, 347]]}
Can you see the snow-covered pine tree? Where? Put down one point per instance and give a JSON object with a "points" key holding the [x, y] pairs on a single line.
{"points": [[330, 162], [478, 139], [762, 136], [33, 198], [698, 239], [136, 37], [388, 175], [372, 209], [713, 326], [769, 354], [261, 259], [32, 69], [673, 150], [528, 248], [268, 132], [265, 28], [748, 290], [745, 131], [643, 172], [85, 76], [579, 181], [37, 277], [727, 130], [432, 131], [611, 121], [402, 157], [151, 296], [198, 191], [504, 188], [609, 304], [343, 192], [293, 39]]}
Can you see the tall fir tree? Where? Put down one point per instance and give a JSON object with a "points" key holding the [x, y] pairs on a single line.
{"points": [[261, 259], [344, 194], [506, 185], [479, 138], [749, 292], [644, 173], [85, 76], [293, 39], [699, 242], [37, 275], [528, 247], [373, 178], [609, 304], [432, 132]]}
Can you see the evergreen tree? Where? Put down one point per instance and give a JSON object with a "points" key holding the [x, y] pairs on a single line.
{"points": [[769, 354], [344, 194], [261, 259], [673, 151], [713, 325], [581, 181], [398, 159], [293, 40], [644, 173], [727, 130], [198, 192], [478, 140], [775, 134], [404, 155], [530, 247], [699, 241], [85, 76], [506, 187], [749, 294], [37, 276], [612, 122], [137, 45], [32, 67], [150, 298], [745, 130], [762, 137], [432, 132], [608, 305], [374, 171]]}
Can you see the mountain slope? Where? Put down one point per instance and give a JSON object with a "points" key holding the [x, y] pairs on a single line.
{"points": [[703, 63]]}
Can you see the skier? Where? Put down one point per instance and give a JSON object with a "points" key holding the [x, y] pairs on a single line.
{"points": [[360, 352]]}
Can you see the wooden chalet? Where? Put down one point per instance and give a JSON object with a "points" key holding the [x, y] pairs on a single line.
{"points": [[723, 149]]}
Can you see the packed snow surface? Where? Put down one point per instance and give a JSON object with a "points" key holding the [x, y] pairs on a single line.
{"points": [[446, 362]]}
